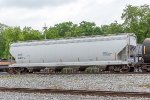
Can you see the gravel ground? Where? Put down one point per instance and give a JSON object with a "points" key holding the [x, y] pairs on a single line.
{"points": [[32, 96], [103, 82]]}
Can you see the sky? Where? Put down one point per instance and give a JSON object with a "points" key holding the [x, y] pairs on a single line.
{"points": [[34, 13]]}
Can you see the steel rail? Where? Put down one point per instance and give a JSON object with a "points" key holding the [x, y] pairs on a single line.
{"points": [[76, 92]]}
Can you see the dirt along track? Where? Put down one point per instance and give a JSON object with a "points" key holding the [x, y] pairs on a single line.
{"points": [[105, 72], [76, 92]]}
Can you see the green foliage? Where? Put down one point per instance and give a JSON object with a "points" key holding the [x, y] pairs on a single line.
{"points": [[68, 29], [29, 34], [113, 28], [137, 20], [1, 45]]}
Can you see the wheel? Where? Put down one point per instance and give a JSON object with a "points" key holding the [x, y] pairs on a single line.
{"points": [[111, 68], [125, 69], [11, 71], [144, 68]]}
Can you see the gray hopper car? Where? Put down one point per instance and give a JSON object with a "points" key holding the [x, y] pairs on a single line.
{"points": [[109, 51]]}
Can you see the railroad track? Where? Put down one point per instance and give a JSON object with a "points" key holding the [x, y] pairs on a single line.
{"points": [[76, 92]]}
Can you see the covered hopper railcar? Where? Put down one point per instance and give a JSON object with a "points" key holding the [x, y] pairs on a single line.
{"points": [[114, 52]]}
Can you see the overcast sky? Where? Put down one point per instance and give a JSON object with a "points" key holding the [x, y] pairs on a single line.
{"points": [[34, 13]]}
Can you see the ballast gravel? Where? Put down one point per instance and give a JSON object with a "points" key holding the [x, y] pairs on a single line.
{"points": [[101, 82]]}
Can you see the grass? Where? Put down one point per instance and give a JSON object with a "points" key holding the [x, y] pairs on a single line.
{"points": [[146, 85]]}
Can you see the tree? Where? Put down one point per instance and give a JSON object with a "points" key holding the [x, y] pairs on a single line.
{"points": [[63, 28], [137, 20], [1, 45], [113, 28], [86, 28], [29, 34]]}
